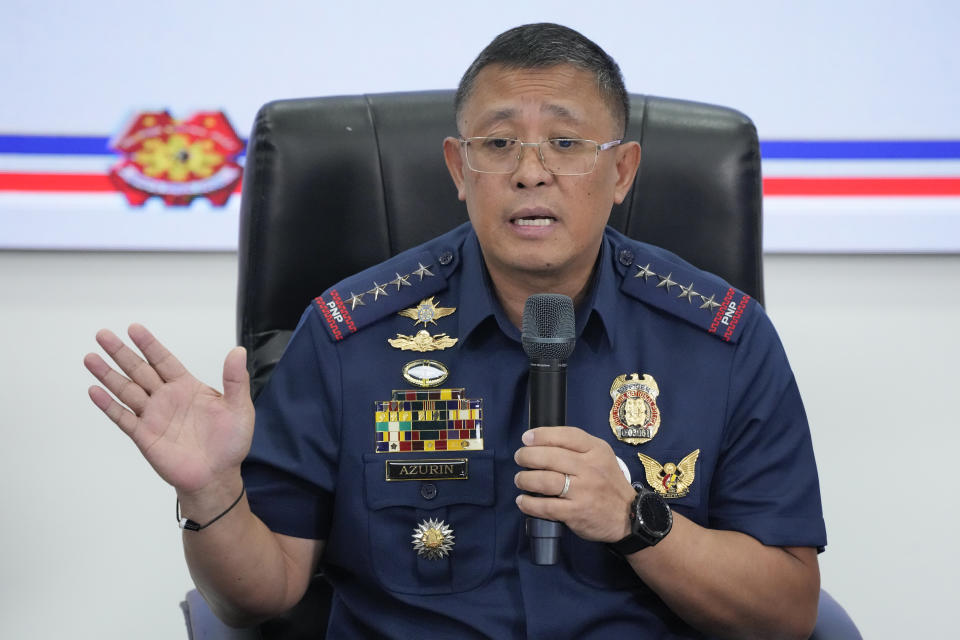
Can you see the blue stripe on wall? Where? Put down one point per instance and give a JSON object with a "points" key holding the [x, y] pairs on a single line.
{"points": [[860, 149], [770, 149]]}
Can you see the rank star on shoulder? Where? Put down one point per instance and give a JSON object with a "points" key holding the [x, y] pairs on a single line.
{"points": [[356, 300], [378, 290], [422, 271], [688, 293], [709, 303], [644, 272], [401, 281], [665, 281]]}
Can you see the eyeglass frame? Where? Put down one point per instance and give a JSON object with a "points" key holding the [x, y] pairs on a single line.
{"points": [[600, 146]]}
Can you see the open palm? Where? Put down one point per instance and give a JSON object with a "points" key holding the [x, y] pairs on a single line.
{"points": [[189, 432]]}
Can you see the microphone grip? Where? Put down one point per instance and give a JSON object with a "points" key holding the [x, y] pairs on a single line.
{"points": [[548, 408], [548, 394]]}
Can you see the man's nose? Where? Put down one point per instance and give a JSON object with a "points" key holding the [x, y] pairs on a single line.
{"points": [[530, 168]]}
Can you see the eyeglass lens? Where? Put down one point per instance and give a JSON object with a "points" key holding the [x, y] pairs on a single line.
{"points": [[561, 156]]}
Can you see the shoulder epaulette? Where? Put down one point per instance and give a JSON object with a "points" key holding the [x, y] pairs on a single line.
{"points": [[385, 289], [666, 281]]}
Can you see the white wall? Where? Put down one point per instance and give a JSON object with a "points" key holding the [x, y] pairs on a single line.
{"points": [[90, 549]]}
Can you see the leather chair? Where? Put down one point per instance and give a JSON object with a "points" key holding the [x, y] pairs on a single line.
{"points": [[334, 185]]}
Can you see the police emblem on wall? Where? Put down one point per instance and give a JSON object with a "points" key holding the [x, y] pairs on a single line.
{"points": [[634, 416], [177, 160]]}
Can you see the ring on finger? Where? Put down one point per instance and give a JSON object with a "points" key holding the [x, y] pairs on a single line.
{"points": [[566, 486]]}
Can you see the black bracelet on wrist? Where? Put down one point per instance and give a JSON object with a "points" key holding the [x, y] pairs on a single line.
{"points": [[190, 525]]}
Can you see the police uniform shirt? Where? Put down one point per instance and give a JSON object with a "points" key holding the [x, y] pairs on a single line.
{"points": [[724, 389]]}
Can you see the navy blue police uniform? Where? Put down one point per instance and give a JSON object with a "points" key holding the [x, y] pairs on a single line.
{"points": [[405, 468]]}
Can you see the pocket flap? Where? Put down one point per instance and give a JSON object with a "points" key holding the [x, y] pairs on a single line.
{"points": [[477, 488]]}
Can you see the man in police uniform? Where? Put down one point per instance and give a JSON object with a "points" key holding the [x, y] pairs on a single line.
{"points": [[399, 457]]}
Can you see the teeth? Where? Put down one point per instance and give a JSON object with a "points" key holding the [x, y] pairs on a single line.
{"points": [[533, 222]]}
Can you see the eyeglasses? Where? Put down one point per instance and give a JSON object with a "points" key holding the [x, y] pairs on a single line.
{"points": [[560, 156]]}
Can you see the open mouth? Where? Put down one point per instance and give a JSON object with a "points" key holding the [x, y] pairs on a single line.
{"points": [[534, 221]]}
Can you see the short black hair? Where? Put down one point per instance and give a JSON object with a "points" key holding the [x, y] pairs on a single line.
{"points": [[544, 44]]}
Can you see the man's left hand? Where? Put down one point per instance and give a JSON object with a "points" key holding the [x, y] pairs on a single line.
{"points": [[597, 503]]}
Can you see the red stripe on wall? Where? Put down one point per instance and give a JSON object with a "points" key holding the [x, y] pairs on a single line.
{"points": [[59, 182], [54, 182], [774, 186], [861, 186]]}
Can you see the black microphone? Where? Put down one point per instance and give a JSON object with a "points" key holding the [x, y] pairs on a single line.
{"points": [[548, 337]]}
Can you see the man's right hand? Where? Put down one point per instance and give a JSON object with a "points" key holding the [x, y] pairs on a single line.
{"points": [[193, 436]]}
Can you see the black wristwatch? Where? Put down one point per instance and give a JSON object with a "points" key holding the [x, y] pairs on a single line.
{"points": [[650, 521]]}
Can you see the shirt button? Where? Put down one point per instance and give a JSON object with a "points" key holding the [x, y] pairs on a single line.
{"points": [[445, 258], [428, 490], [625, 257]]}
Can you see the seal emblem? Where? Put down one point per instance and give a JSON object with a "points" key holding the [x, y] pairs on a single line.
{"points": [[634, 416]]}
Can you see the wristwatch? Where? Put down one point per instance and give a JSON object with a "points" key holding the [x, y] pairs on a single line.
{"points": [[650, 521]]}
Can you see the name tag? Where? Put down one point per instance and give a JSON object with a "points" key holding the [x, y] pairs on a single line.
{"points": [[433, 469]]}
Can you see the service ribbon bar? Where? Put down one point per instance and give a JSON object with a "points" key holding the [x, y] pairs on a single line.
{"points": [[428, 420]]}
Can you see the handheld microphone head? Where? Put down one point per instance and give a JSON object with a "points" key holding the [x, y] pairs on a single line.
{"points": [[549, 327]]}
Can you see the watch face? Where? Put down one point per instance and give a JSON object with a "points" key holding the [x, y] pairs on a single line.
{"points": [[655, 515]]}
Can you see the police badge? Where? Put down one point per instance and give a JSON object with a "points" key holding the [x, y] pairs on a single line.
{"points": [[634, 416]]}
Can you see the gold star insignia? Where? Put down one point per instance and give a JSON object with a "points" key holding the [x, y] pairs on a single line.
{"points": [[422, 271], [426, 311], [377, 291], [665, 281], [356, 300], [709, 303], [688, 293], [644, 272], [401, 281]]}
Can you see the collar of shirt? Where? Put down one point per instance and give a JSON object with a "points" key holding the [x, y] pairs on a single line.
{"points": [[595, 317]]}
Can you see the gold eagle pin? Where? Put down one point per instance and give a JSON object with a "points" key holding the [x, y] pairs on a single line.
{"points": [[634, 416], [426, 311], [433, 539], [671, 480], [423, 341]]}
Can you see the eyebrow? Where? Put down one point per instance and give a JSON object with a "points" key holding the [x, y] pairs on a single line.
{"points": [[509, 113]]}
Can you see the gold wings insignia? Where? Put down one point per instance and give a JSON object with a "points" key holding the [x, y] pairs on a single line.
{"points": [[426, 311], [683, 474], [423, 341], [688, 469], [653, 469]]}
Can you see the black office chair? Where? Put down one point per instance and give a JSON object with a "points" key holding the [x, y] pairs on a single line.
{"points": [[335, 185]]}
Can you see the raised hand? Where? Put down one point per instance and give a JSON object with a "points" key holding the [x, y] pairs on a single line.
{"points": [[193, 436]]}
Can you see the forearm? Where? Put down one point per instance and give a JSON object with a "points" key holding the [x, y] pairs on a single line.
{"points": [[731, 585], [241, 567]]}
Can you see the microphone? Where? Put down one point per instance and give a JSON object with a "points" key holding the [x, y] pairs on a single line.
{"points": [[548, 337]]}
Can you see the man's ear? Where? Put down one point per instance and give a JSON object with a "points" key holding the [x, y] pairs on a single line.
{"points": [[454, 160], [628, 161]]}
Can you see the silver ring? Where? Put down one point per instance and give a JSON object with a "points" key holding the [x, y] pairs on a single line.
{"points": [[566, 485]]}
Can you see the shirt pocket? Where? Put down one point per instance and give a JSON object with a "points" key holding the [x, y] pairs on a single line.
{"points": [[396, 509], [595, 565]]}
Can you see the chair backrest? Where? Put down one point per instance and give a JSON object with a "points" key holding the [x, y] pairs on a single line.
{"points": [[335, 185]]}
